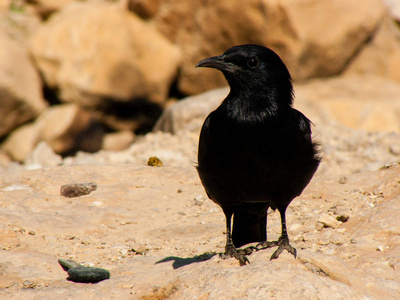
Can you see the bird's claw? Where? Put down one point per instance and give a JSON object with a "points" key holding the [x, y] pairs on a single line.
{"points": [[239, 254], [282, 243], [266, 245]]}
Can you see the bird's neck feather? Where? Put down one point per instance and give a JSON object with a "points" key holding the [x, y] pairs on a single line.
{"points": [[256, 104]]}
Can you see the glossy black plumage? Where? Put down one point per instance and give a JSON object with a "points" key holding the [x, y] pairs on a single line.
{"points": [[255, 149]]}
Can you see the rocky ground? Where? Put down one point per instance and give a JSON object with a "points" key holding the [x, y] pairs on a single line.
{"points": [[160, 237]]}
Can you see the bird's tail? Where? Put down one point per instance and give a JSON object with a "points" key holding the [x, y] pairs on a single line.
{"points": [[249, 223]]}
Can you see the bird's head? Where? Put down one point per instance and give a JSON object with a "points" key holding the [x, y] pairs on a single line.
{"points": [[254, 69]]}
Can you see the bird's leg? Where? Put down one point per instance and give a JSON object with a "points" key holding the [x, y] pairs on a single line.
{"points": [[265, 244], [230, 249], [283, 241]]}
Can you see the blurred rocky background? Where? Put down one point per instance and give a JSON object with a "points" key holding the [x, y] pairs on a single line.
{"points": [[93, 75], [90, 90]]}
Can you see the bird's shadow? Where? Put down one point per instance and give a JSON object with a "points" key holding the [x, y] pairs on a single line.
{"points": [[181, 262]]}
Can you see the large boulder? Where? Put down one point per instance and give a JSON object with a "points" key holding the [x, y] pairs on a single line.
{"points": [[311, 41], [43, 156], [190, 113], [359, 102], [98, 54], [381, 55], [67, 128], [20, 86], [117, 141], [20, 143], [369, 103]]}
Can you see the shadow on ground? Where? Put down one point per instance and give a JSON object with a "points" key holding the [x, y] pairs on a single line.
{"points": [[180, 261]]}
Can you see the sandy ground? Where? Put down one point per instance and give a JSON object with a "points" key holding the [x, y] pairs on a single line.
{"points": [[160, 237]]}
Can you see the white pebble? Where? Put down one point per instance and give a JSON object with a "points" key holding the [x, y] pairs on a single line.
{"points": [[329, 221], [16, 187]]}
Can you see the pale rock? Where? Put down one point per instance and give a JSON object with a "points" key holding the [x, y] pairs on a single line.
{"points": [[96, 52], [68, 127], [4, 5], [190, 112], [43, 156], [20, 143], [301, 32], [394, 8], [359, 102], [117, 141], [329, 221], [381, 55], [20, 86], [395, 149], [374, 107], [330, 251], [5, 159], [319, 226]]}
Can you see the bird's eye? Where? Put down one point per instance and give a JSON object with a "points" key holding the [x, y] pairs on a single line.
{"points": [[253, 62]]}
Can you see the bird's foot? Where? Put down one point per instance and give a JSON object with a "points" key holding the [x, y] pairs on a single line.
{"points": [[266, 245], [282, 243], [239, 254]]}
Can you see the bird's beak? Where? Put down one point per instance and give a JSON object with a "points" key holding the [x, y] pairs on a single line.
{"points": [[217, 62]]}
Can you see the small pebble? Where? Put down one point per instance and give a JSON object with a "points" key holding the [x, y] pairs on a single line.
{"points": [[330, 251], [28, 284], [329, 221], [394, 149], [16, 187], [319, 226], [85, 241], [343, 180], [154, 161], [353, 241], [77, 189], [87, 274], [198, 200], [295, 227], [79, 273]]}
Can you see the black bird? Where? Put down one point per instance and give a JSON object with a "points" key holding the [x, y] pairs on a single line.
{"points": [[255, 150]]}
